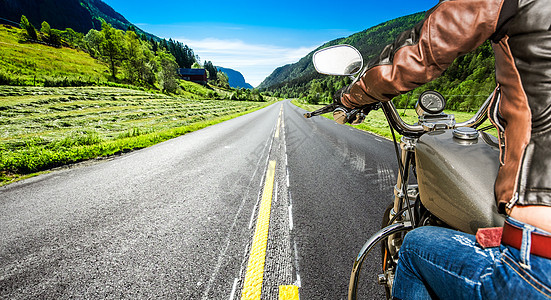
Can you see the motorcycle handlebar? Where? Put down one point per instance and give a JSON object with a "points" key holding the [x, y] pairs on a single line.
{"points": [[417, 130], [326, 109], [412, 130], [480, 116]]}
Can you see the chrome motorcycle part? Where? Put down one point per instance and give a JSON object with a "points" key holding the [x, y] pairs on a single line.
{"points": [[341, 60], [465, 133], [368, 246], [430, 102], [437, 122], [340, 115], [447, 194], [480, 116], [455, 184]]}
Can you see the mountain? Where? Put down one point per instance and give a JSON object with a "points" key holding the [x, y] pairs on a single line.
{"points": [[369, 42], [235, 78], [466, 83], [80, 15]]}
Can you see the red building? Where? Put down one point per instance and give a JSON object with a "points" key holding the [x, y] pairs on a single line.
{"points": [[193, 75]]}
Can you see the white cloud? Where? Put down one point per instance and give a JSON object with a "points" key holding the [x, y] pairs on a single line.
{"points": [[254, 61]]}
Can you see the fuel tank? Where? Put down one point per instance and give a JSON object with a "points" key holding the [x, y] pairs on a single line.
{"points": [[456, 177]]}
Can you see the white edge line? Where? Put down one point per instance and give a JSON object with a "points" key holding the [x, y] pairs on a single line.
{"points": [[275, 193], [235, 281], [291, 217], [287, 176], [298, 282], [254, 209]]}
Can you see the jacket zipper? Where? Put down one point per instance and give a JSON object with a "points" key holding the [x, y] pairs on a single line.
{"points": [[495, 119], [512, 202]]}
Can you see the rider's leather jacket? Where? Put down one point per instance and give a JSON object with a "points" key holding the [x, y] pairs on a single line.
{"points": [[520, 32]]}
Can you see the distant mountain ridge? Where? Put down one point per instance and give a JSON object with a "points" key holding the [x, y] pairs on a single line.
{"points": [[369, 42], [235, 78], [466, 83], [80, 15]]}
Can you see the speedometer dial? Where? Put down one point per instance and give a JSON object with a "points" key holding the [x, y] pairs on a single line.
{"points": [[432, 102]]}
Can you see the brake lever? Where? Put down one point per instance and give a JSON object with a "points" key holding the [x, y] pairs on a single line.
{"points": [[326, 109]]}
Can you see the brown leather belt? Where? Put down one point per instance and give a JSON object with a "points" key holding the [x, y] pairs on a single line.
{"points": [[540, 243]]}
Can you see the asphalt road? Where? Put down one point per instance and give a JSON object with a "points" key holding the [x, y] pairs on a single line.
{"points": [[180, 220]]}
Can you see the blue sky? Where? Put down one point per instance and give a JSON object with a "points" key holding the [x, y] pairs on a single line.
{"points": [[255, 37]]}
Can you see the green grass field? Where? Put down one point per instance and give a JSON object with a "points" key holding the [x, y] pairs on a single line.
{"points": [[32, 64], [376, 121], [42, 128]]}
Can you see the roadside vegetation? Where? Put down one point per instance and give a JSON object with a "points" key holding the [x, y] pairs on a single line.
{"points": [[108, 57], [66, 97], [44, 127]]}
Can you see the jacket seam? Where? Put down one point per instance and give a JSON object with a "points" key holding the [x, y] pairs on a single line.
{"points": [[538, 189], [540, 133]]}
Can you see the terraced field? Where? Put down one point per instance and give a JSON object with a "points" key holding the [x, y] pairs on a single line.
{"points": [[41, 128]]}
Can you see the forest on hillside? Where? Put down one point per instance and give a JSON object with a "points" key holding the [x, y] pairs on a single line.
{"points": [[465, 84], [132, 58]]}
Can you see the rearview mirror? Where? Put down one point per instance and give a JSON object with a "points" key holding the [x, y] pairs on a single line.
{"points": [[342, 60]]}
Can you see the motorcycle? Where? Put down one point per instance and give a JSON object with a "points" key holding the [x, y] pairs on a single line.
{"points": [[446, 169]]}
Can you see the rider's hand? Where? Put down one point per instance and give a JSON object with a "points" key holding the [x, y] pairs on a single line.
{"points": [[354, 116], [337, 97]]}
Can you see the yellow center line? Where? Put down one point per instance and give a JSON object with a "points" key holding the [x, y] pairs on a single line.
{"points": [[252, 288], [288, 292]]}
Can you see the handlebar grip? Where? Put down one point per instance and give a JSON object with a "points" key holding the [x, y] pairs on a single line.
{"points": [[326, 109]]}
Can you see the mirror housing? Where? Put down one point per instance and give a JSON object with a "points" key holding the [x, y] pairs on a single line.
{"points": [[341, 60]]}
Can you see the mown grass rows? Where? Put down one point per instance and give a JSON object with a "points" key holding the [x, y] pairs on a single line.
{"points": [[41, 128]]}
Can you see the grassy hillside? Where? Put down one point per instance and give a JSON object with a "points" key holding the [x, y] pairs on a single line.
{"points": [[35, 64], [80, 15], [295, 78], [466, 83], [41, 127]]}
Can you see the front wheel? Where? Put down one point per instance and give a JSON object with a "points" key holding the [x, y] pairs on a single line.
{"points": [[382, 235], [387, 262]]}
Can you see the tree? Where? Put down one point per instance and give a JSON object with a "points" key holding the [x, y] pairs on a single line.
{"points": [[49, 36], [167, 71], [222, 80], [29, 28], [46, 29], [93, 41], [315, 92], [133, 56], [196, 65], [256, 96], [72, 37], [148, 66], [154, 45], [212, 71], [111, 47]]}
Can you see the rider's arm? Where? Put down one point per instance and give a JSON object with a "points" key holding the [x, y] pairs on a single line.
{"points": [[417, 56]]}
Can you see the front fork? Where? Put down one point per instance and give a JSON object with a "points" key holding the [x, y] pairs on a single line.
{"points": [[404, 197], [405, 193]]}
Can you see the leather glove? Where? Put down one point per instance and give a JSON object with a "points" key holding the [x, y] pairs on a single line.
{"points": [[338, 95], [354, 116], [344, 115]]}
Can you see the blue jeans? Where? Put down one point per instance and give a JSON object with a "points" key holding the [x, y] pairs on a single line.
{"points": [[439, 263]]}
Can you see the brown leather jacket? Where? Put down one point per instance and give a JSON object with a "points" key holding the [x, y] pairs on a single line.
{"points": [[520, 31]]}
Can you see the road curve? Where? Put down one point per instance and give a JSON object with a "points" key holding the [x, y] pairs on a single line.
{"points": [[179, 219]]}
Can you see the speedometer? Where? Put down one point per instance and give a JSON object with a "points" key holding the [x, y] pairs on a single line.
{"points": [[431, 102]]}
